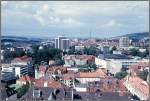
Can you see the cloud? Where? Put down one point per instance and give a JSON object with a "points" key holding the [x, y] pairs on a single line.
{"points": [[76, 16], [112, 23]]}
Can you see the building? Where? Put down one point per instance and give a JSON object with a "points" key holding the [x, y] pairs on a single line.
{"points": [[40, 71], [23, 62], [115, 62], [78, 60], [137, 86], [20, 70], [62, 43], [105, 49], [65, 44], [24, 80], [124, 42], [79, 48], [8, 72], [85, 77]]}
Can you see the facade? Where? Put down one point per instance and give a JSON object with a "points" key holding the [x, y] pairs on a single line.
{"points": [[25, 63], [115, 63], [20, 70], [65, 44], [62, 43], [8, 72], [78, 60], [79, 48], [124, 42]]}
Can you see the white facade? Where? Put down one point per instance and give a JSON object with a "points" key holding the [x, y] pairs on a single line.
{"points": [[86, 80], [101, 63], [115, 65], [81, 88], [21, 70], [79, 48]]}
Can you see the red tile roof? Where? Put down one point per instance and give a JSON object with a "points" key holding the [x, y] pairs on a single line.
{"points": [[26, 78], [96, 74], [23, 58], [81, 57], [139, 84], [50, 83], [42, 68]]}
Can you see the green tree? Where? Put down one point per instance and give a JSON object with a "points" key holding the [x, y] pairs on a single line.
{"points": [[133, 52], [121, 75], [91, 51], [21, 91], [143, 74], [113, 49]]}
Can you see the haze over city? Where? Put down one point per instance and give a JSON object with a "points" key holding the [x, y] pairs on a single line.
{"points": [[74, 19]]}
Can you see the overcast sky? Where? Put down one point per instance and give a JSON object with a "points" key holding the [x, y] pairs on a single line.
{"points": [[74, 19]]}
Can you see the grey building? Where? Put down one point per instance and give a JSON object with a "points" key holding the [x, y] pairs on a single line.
{"points": [[62, 43], [124, 42]]}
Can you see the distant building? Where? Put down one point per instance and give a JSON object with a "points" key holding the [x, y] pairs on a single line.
{"points": [[62, 43], [105, 49], [78, 60], [79, 48], [124, 42], [115, 62]]}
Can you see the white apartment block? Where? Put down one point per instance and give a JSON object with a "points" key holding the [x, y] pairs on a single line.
{"points": [[115, 65]]}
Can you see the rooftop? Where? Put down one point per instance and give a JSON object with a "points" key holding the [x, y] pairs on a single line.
{"points": [[96, 74], [113, 56]]}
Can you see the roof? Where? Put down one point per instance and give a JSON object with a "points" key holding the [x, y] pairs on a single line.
{"points": [[45, 93], [42, 68], [96, 74], [81, 57], [138, 66], [138, 83], [49, 82], [26, 78], [56, 68], [113, 56], [23, 58]]}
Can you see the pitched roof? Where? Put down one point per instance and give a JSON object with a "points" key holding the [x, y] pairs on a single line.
{"points": [[23, 58], [138, 83], [26, 78], [50, 83], [96, 74]]}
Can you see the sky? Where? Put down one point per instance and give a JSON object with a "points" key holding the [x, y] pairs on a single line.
{"points": [[102, 19]]}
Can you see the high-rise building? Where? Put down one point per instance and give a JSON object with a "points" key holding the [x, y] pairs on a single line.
{"points": [[62, 43], [124, 42], [65, 44]]}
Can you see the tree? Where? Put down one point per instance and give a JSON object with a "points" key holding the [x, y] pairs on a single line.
{"points": [[21, 91], [143, 74], [113, 49], [91, 51], [133, 52], [121, 75]]}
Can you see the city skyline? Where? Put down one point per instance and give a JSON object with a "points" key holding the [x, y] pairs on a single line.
{"points": [[102, 19]]}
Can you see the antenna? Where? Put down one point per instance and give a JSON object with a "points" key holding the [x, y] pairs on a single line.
{"points": [[90, 34]]}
